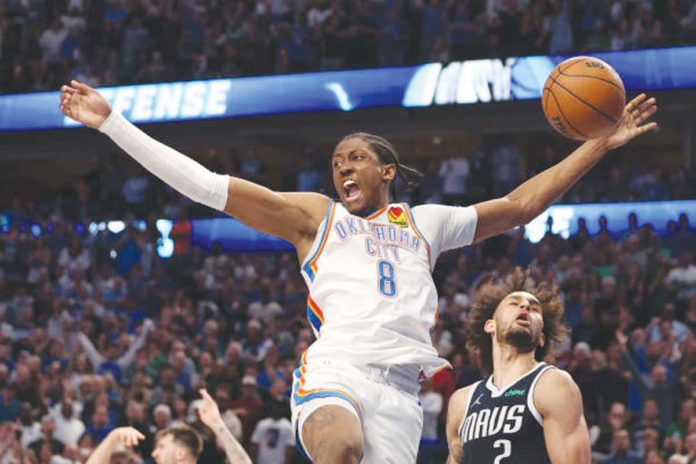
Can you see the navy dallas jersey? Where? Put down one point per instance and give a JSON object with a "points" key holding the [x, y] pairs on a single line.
{"points": [[504, 426]]}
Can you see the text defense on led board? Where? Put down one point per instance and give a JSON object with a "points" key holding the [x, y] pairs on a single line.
{"points": [[432, 84]]}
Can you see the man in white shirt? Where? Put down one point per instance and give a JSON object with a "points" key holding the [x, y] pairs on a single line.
{"points": [[69, 429], [273, 440], [454, 172], [51, 39], [682, 279]]}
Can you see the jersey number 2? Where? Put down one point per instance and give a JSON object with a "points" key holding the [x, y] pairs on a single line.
{"points": [[507, 450], [387, 279]]}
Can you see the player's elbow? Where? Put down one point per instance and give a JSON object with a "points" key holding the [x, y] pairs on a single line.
{"points": [[523, 210]]}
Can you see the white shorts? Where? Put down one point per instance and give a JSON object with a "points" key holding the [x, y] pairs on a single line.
{"points": [[385, 404]]}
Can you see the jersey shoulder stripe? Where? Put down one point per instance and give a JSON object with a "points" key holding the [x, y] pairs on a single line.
{"points": [[315, 315], [416, 230], [530, 396], [310, 264]]}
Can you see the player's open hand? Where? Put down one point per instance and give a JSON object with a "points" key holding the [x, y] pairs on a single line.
{"points": [[632, 122], [84, 104], [127, 436]]}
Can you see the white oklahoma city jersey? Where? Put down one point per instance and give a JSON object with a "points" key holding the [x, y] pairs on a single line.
{"points": [[372, 299]]}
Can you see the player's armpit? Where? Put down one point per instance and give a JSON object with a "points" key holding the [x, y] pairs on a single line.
{"points": [[292, 216], [559, 402], [496, 217], [456, 410]]}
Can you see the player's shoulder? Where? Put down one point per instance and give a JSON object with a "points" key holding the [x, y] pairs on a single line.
{"points": [[434, 210], [555, 387], [460, 398], [458, 404], [554, 377]]}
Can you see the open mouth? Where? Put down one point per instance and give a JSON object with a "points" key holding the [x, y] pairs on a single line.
{"points": [[523, 320], [351, 189]]}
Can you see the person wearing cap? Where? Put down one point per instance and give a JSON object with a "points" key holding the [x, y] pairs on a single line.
{"points": [[248, 406]]}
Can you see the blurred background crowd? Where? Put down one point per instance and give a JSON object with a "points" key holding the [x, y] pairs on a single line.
{"points": [[43, 43], [96, 331]]}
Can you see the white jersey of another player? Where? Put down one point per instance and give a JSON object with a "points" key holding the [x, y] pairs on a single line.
{"points": [[372, 299]]}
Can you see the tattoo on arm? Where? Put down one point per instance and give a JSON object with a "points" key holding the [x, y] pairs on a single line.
{"points": [[233, 449]]}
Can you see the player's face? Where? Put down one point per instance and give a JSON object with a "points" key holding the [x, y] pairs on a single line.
{"points": [[518, 321], [165, 451], [361, 180]]}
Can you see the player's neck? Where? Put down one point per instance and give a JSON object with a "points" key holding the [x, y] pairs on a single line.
{"points": [[509, 364]]}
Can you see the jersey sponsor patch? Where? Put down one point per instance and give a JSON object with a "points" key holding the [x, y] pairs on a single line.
{"points": [[397, 216]]}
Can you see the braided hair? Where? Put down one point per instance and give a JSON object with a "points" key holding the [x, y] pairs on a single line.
{"points": [[387, 154]]}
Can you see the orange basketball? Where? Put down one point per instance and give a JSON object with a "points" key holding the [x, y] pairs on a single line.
{"points": [[583, 98]]}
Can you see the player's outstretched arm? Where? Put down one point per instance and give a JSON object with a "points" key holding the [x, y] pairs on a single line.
{"points": [[535, 195], [292, 216], [456, 410], [127, 436], [210, 415], [559, 402]]}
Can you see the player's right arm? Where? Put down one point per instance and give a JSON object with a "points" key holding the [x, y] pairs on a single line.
{"points": [[292, 216], [456, 410]]}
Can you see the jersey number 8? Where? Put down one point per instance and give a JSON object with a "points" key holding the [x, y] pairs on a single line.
{"points": [[387, 279]]}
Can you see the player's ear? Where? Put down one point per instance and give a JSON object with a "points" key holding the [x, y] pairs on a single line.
{"points": [[389, 172], [542, 339], [489, 326]]}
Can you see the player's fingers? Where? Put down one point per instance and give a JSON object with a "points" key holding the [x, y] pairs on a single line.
{"points": [[646, 114], [647, 104], [647, 127], [633, 104], [643, 107], [79, 86], [67, 89], [204, 393]]}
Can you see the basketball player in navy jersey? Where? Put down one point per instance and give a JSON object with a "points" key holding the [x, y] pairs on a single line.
{"points": [[525, 410], [367, 263]]}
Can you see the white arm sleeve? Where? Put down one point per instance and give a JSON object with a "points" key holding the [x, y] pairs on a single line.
{"points": [[185, 175], [445, 227]]}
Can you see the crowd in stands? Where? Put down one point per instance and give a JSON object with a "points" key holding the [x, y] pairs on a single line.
{"points": [[97, 332], [43, 43]]}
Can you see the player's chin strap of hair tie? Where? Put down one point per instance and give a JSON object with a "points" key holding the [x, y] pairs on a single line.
{"points": [[176, 169]]}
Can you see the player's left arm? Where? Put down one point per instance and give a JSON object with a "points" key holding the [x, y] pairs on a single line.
{"points": [[536, 194], [558, 400], [455, 414]]}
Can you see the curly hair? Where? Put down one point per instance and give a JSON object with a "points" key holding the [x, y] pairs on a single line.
{"points": [[487, 300]]}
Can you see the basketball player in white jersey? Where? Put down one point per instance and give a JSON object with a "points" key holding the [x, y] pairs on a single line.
{"points": [[526, 410], [367, 264]]}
